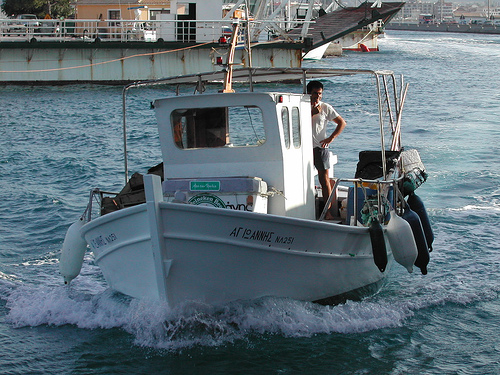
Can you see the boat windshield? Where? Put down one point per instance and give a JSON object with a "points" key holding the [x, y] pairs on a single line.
{"points": [[236, 126]]}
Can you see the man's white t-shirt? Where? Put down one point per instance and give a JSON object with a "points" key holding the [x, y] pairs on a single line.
{"points": [[320, 121]]}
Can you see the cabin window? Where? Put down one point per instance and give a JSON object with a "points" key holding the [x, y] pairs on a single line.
{"points": [[218, 127], [296, 127], [286, 126]]}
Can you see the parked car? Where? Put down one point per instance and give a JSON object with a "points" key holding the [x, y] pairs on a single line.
{"points": [[49, 27], [23, 24]]}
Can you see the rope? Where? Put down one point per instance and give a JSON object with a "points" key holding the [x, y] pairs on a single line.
{"points": [[103, 62], [371, 210]]}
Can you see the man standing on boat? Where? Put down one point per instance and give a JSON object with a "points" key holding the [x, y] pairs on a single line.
{"points": [[321, 114]]}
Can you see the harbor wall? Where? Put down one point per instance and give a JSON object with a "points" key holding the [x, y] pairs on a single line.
{"points": [[454, 28], [59, 63]]}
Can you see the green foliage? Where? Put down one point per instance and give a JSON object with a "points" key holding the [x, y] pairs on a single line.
{"points": [[61, 8], [55, 8], [16, 7]]}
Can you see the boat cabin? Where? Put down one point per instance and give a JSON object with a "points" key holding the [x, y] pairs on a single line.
{"points": [[252, 151], [238, 139]]}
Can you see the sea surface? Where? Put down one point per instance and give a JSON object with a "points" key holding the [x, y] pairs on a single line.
{"points": [[56, 143]]}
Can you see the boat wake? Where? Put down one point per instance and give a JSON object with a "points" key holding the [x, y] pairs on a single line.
{"points": [[462, 273], [154, 325]]}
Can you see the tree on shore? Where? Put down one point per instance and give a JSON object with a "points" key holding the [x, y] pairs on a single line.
{"points": [[59, 8], [54, 8]]}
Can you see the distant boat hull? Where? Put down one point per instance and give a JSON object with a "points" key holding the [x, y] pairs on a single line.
{"points": [[356, 40], [317, 53]]}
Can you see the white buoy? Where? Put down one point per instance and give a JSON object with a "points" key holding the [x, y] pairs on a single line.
{"points": [[403, 244], [73, 250]]}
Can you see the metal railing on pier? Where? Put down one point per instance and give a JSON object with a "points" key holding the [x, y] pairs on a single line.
{"points": [[90, 30], [114, 30]]}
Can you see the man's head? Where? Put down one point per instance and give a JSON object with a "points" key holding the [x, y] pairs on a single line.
{"points": [[314, 85], [315, 89]]}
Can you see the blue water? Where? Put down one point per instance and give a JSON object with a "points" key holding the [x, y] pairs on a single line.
{"points": [[58, 142]]}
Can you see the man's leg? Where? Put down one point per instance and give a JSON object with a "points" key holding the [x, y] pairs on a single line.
{"points": [[326, 188]]}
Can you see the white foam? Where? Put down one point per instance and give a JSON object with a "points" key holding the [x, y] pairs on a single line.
{"points": [[456, 275], [473, 207], [155, 325]]}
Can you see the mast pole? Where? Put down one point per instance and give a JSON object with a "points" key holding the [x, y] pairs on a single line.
{"points": [[381, 121], [230, 59], [247, 36]]}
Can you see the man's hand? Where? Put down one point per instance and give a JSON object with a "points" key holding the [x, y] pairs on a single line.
{"points": [[326, 142]]}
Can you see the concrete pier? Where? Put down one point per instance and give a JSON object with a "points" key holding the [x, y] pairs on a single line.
{"points": [[442, 27], [44, 62]]}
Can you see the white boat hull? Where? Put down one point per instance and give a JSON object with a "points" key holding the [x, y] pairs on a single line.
{"points": [[317, 53], [217, 255]]}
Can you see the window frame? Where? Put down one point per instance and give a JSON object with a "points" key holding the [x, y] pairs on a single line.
{"points": [[197, 131]]}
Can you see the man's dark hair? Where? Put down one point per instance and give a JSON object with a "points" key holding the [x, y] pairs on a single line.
{"points": [[314, 85]]}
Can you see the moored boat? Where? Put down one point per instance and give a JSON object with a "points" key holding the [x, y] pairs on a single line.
{"points": [[232, 212]]}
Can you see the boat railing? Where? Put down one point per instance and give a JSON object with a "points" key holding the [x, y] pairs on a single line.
{"points": [[96, 197], [380, 186]]}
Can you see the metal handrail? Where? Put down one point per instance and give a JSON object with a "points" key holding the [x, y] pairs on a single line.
{"points": [[97, 195], [359, 182]]}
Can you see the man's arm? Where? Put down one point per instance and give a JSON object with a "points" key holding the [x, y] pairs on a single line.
{"points": [[340, 127]]}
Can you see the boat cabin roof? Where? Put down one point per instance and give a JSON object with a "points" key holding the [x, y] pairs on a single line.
{"points": [[262, 75]]}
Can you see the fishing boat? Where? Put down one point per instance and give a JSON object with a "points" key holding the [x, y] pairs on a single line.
{"points": [[233, 212]]}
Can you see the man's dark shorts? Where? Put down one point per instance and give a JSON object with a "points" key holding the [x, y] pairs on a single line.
{"points": [[321, 158]]}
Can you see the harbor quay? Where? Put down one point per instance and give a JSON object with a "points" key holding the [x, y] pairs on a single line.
{"points": [[121, 62], [83, 52], [443, 27]]}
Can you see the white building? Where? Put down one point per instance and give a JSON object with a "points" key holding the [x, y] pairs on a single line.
{"points": [[413, 8]]}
